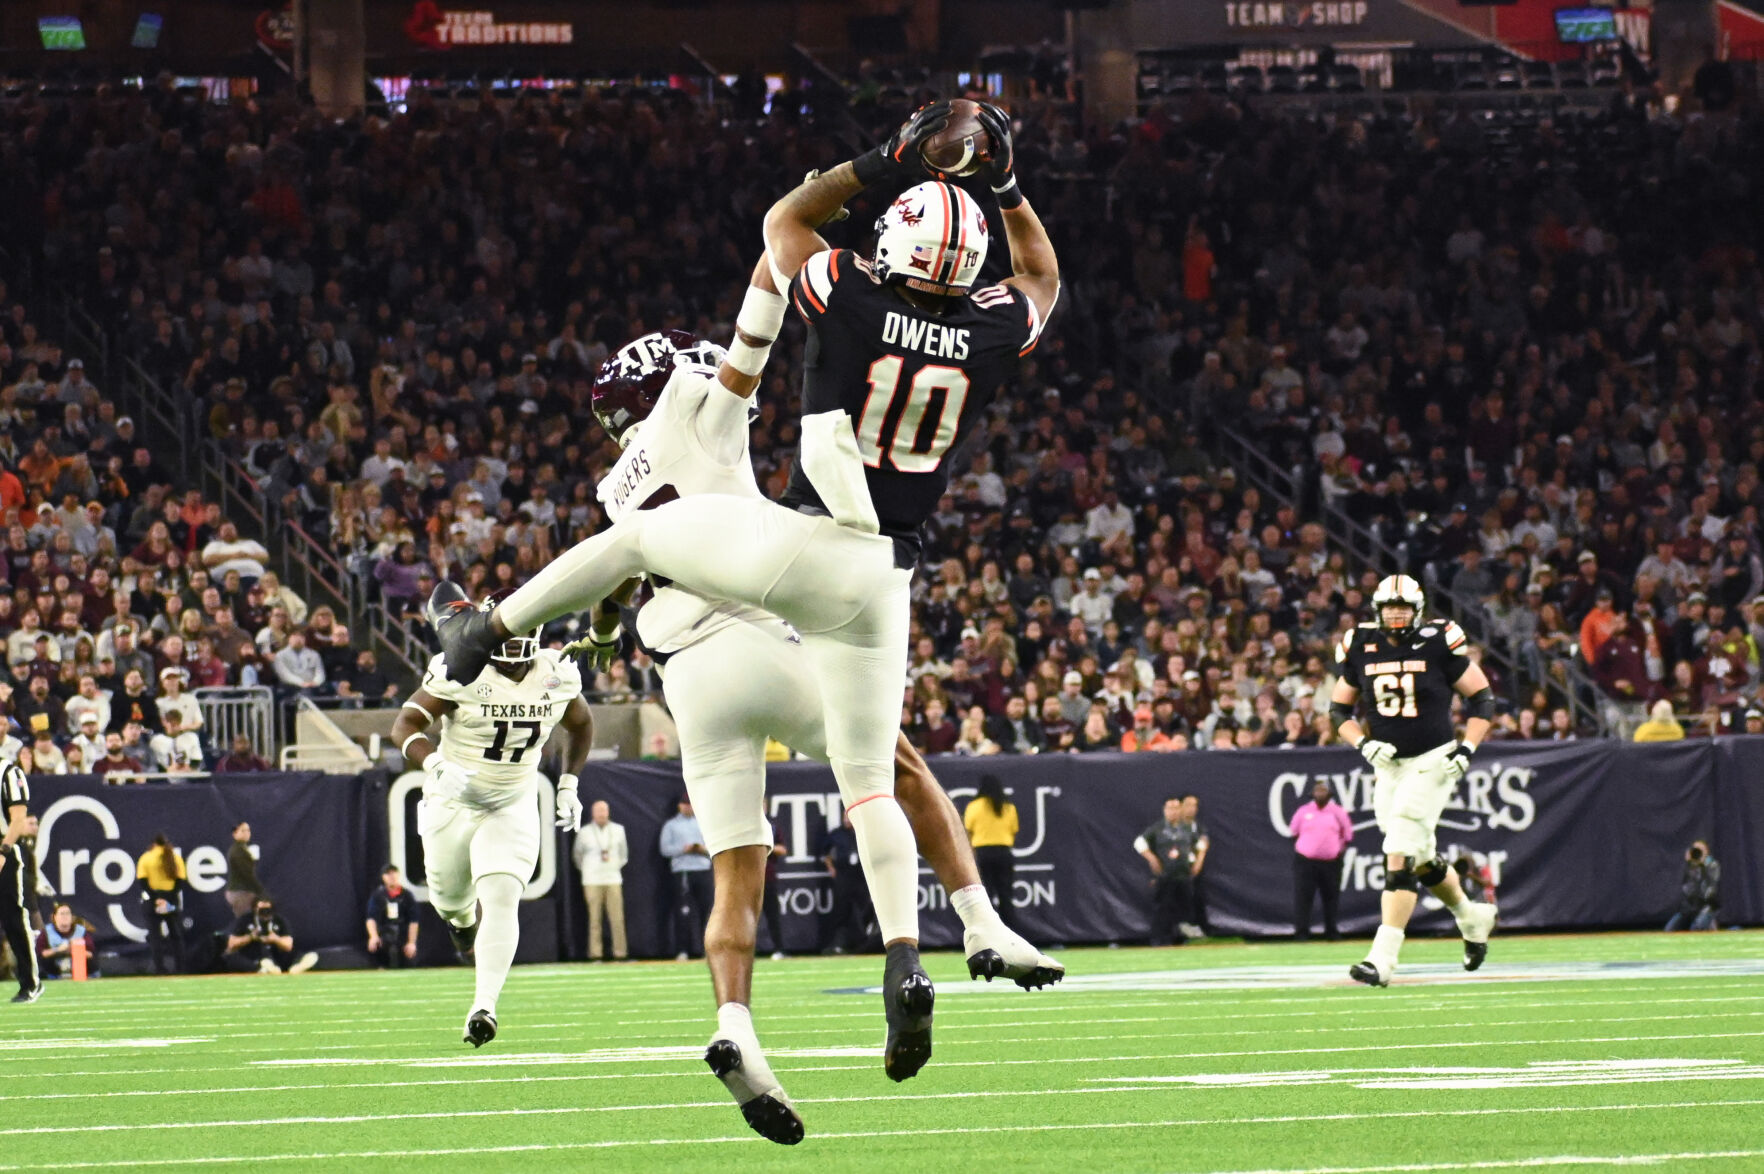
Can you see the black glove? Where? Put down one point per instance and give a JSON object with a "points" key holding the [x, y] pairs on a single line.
{"points": [[997, 167], [899, 157]]}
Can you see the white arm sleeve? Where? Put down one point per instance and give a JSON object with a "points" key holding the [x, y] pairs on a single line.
{"points": [[1140, 844], [721, 426]]}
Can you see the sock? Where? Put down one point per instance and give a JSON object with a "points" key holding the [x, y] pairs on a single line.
{"points": [[1461, 910], [974, 907], [891, 864], [735, 1024], [1386, 945], [497, 938]]}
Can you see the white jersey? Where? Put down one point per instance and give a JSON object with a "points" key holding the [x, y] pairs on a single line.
{"points": [[693, 442], [499, 727]]}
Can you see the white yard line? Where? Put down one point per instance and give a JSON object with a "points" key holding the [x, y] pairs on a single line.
{"points": [[1065, 1127]]}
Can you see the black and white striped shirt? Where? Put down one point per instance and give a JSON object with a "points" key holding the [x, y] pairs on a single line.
{"points": [[14, 789]]}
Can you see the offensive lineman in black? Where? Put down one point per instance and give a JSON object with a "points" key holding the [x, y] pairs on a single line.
{"points": [[1412, 669], [15, 796]]}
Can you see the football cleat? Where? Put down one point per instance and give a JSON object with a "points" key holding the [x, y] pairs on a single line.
{"points": [[1476, 927], [304, 963], [464, 632], [29, 996], [907, 998], [464, 938], [997, 952], [763, 1103], [480, 1028], [1369, 973]]}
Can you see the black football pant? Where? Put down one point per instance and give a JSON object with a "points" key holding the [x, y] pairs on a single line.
{"points": [[997, 865], [165, 933], [849, 921], [693, 894], [1310, 877], [16, 920], [1172, 904], [774, 920]]}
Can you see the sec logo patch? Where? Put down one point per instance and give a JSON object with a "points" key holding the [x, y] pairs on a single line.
{"points": [[484, 690], [553, 682]]}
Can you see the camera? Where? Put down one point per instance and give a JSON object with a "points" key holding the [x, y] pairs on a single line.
{"points": [[1696, 852]]}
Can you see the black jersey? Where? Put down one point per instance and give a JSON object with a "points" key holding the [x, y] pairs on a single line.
{"points": [[914, 383], [1406, 680]]}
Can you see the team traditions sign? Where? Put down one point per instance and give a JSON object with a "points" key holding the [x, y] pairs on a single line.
{"points": [[435, 27]]}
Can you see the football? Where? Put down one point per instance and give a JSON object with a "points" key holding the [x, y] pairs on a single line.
{"points": [[960, 147]]}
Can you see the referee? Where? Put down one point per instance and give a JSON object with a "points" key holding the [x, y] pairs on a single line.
{"points": [[15, 899]]}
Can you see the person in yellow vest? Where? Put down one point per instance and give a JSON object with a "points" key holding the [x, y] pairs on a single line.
{"points": [[991, 820], [1661, 726], [161, 873]]}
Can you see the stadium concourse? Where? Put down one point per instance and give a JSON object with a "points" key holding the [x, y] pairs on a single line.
{"points": [[1519, 395]]}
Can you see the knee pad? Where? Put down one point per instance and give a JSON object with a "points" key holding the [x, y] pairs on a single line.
{"points": [[1432, 873], [1399, 880]]}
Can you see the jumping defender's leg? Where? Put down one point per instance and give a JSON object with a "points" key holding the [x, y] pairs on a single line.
{"points": [[734, 1054]]}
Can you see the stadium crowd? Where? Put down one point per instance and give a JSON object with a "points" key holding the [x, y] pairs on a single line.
{"points": [[1546, 402]]}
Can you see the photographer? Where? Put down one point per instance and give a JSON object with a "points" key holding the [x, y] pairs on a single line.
{"points": [[261, 941], [1700, 892]]}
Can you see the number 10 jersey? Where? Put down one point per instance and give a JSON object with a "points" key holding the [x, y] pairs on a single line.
{"points": [[914, 383], [499, 727]]}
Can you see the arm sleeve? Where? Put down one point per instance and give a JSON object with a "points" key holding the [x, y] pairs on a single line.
{"points": [[671, 844], [1292, 824], [623, 852], [1345, 668], [811, 290], [1456, 651], [1141, 844]]}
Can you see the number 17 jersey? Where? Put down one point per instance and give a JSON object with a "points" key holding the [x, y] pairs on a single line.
{"points": [[915, 383], [499, 727]]}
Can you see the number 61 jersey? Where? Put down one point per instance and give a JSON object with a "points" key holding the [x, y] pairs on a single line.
{"points": [[1405, 680], [500, 726], [913, 382]]}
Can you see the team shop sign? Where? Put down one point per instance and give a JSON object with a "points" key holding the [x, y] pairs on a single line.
{"points": [[1262, 15]]}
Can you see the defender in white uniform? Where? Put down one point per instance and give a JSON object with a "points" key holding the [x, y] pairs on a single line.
{"points": [[479, 815], [736, 675]]}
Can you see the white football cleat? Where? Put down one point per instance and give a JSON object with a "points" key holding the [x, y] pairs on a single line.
{"points": [[997, 952], [1475, 928], [762, 1100]]}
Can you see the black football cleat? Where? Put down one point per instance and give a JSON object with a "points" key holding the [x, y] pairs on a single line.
{"points": [[464, 938], [464, 632], [768, 1111], [480, 1029], [1369, 974], [1474, 955], [907, 998], [29, 996]]}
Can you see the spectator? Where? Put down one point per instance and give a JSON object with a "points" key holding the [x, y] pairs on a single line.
{"points": [[59, 938], [241, 759], [991, 822], [226, 551], [600, 855], [391, 922], [1699, 892], [160, 870], [89, 700], [689, 864], [1014, 731], [972, 739], [115, 766], [173, 699], [366, 684], [298, 667], [1145, 735], [935, 733], [1661, 726], [1321, 832], [89, 742], [45, 755], [261, 942], [176, 751]]}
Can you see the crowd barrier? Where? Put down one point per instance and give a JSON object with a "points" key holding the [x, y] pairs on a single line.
{"points": [[1577, 835]]}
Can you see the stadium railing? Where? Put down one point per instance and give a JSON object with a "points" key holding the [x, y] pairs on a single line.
{"points": [[232, 710]]}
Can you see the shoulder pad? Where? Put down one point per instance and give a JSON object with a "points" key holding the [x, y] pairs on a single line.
{"points": [[436, 684], [1454, 637], [1344, 648]]}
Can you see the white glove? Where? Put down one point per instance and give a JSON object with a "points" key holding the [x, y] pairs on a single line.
{"points": [[1377, 753], [443, 779], [1458, 762], [569, 804]]}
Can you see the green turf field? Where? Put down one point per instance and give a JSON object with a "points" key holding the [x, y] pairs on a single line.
{"points": [[1571, 1053]]}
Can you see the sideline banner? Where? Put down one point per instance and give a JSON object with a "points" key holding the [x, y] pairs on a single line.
{"points": [[311, 831], [1577, 835]]}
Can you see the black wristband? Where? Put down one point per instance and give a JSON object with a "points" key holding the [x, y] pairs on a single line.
{"points": [[873, 166], [1010, 196]]}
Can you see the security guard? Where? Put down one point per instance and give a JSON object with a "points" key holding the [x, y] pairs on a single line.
{"points": [[1170, 848], [15, 897], [161, 873]]}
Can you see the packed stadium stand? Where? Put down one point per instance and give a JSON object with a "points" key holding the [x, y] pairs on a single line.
{"points": [[1298, 348]]}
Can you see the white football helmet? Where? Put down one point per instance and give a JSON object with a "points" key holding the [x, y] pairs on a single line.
{"points": [[932, 238], [1398, 590], [516, 650]]}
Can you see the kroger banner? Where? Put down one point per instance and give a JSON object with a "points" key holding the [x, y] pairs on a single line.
{"points": [[1576, 835], [311, 831]]}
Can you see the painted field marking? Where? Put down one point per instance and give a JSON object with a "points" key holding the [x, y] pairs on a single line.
{"points": [[91, 1044], [1063, 1127], [1536, 1074]]}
